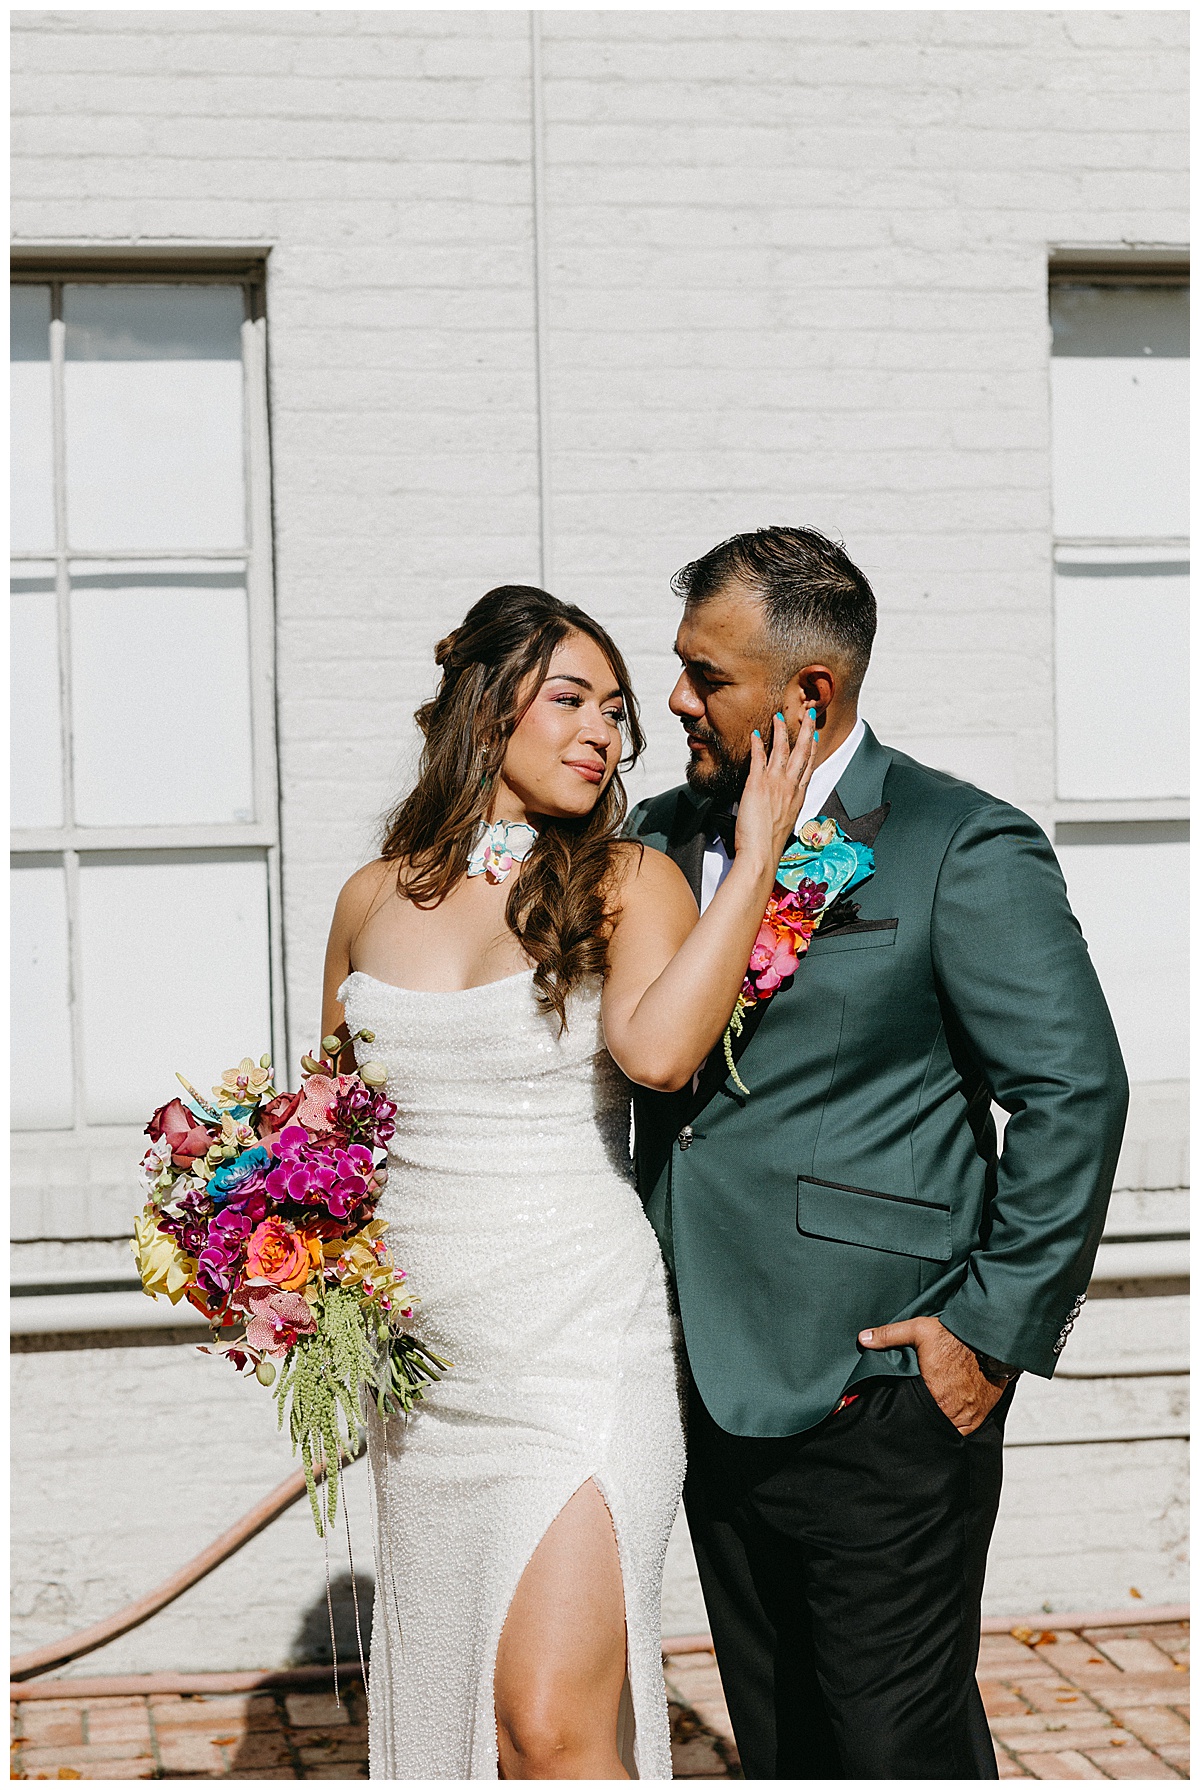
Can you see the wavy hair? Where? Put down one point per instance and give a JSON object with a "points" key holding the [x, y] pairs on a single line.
{"points": [[493, 665]]}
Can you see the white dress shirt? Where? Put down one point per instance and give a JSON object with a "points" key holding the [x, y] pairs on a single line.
{"points": [[823, 783]]}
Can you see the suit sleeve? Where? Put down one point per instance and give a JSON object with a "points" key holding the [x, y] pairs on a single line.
{"points": [[1016, 977]]}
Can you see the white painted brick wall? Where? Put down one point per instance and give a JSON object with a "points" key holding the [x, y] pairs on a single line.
{"points": [[796, 269], [127, 1463]]}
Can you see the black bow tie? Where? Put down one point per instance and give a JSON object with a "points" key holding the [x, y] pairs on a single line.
{"points": [[722, 827]]}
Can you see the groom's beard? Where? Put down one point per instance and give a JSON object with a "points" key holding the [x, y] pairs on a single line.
{"points": [[721, 776]]}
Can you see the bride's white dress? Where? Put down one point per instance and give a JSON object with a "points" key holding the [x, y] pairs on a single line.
{"points": [[512, 1206]]}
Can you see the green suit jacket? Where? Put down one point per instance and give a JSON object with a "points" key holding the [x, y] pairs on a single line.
{"points": [[859, 1182]]}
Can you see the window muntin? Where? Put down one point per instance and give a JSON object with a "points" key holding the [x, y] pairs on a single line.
{"points": [[142, 684]]}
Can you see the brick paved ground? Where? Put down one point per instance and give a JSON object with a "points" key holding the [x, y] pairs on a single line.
{"points": [[1104, 1703]]}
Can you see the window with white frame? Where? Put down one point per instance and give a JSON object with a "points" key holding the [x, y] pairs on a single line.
{"points": [[1119, 392], [144, 810]]}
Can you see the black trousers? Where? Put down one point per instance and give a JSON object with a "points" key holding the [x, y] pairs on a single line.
{"points": [[843, 1571]]}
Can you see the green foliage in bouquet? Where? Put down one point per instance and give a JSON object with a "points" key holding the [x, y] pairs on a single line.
{"points": [[320, 1387]]}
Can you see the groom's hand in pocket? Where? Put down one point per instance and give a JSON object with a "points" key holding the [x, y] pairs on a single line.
{"points": [[948, 1367]]}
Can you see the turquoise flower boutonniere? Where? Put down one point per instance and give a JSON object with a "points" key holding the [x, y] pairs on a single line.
{"points": [[818, 867]]}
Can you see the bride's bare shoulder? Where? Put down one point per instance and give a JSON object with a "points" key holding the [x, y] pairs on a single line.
{"points": [[362, 893]]}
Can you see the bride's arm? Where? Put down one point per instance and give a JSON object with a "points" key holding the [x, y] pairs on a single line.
{"points": [[672, 979]]}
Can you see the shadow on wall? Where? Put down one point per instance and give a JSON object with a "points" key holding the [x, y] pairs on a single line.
{"points": [[311, 1644]]}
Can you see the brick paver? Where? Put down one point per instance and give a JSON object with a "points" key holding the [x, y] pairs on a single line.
{"points": [[1104, 1703]]}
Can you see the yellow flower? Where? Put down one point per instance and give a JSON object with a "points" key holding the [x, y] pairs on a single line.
{"points": [[237, 1132], [162, 1265], [244, 1085], [817, 834], [363, 1258]]}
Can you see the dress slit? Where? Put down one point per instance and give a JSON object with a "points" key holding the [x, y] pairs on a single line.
{"points": [[486, 1699]]}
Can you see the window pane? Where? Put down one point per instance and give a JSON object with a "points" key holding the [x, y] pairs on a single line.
{"points": [[1109, 617], [1119, 386], [31, 440], [154, 416], [176, 975], [35, 722], [41, 1029], [160, 695], [1140, 952]]}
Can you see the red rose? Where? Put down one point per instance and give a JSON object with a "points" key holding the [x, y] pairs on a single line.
{"points": [[187, 1137], [273, 1115]]}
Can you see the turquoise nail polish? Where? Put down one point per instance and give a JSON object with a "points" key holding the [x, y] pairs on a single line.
{"points": [[779, 714], [757, 735], [816, 733], [812, 714]]}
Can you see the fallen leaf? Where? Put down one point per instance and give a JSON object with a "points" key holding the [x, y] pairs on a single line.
{"points": [[64, 1771], [1134, 1592], [1095, 1660], [1021, 1634], [1045, 1638], [1065, 1697]]}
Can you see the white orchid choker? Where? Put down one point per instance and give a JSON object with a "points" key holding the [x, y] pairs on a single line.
{"points": [[500, 846]]}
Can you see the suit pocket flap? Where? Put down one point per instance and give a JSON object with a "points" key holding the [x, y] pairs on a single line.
{"points": [[862, 936], [873, 1220]]}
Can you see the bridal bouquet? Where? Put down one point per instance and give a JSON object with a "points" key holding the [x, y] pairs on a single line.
{"points": [[261, 1214]]}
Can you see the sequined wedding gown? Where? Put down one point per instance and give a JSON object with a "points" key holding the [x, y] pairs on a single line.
{"points": [[511, 1204]]}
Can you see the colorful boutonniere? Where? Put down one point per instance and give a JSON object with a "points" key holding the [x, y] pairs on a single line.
{"points": [[818, 867]]}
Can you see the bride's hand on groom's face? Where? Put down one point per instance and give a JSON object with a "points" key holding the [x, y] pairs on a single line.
{"points": [[948, 1367], [775, 789]]}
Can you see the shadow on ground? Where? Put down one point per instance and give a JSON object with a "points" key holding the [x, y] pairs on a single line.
{"points": [[311, 1645]]}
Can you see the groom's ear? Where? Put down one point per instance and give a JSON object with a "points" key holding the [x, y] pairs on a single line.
{"points": [[815, 686]]}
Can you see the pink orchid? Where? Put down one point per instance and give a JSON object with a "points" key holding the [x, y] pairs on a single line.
{"points": [[315, 1110], [497, 862], [772, 959], [277, 1319]]}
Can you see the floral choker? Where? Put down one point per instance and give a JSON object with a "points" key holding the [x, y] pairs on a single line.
{"points": [[500, 846]]}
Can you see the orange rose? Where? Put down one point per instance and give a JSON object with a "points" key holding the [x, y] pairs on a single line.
{"points": [[285, 1257]]}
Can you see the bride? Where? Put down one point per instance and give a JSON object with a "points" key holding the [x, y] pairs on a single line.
{"points": [[516, 961]]}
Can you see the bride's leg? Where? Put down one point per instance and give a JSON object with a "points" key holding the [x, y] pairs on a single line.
{"points": [[560, 1665]]}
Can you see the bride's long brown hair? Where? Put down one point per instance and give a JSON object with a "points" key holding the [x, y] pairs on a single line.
{"points": [[493, 665]]}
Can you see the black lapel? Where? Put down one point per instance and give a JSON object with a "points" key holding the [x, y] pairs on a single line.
{"points": [[685, 845], [862, 830]]}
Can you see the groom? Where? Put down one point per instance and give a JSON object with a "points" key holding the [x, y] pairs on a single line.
{"points": [[861, 1275]]}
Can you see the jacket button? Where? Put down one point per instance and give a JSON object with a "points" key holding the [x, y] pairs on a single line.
{"points": [[685, 1137]]}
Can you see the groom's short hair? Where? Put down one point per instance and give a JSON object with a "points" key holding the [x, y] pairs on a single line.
{"points": [[818, 604]]}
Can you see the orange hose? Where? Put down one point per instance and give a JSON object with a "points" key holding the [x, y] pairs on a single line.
{"points": [[57, 1653]]}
